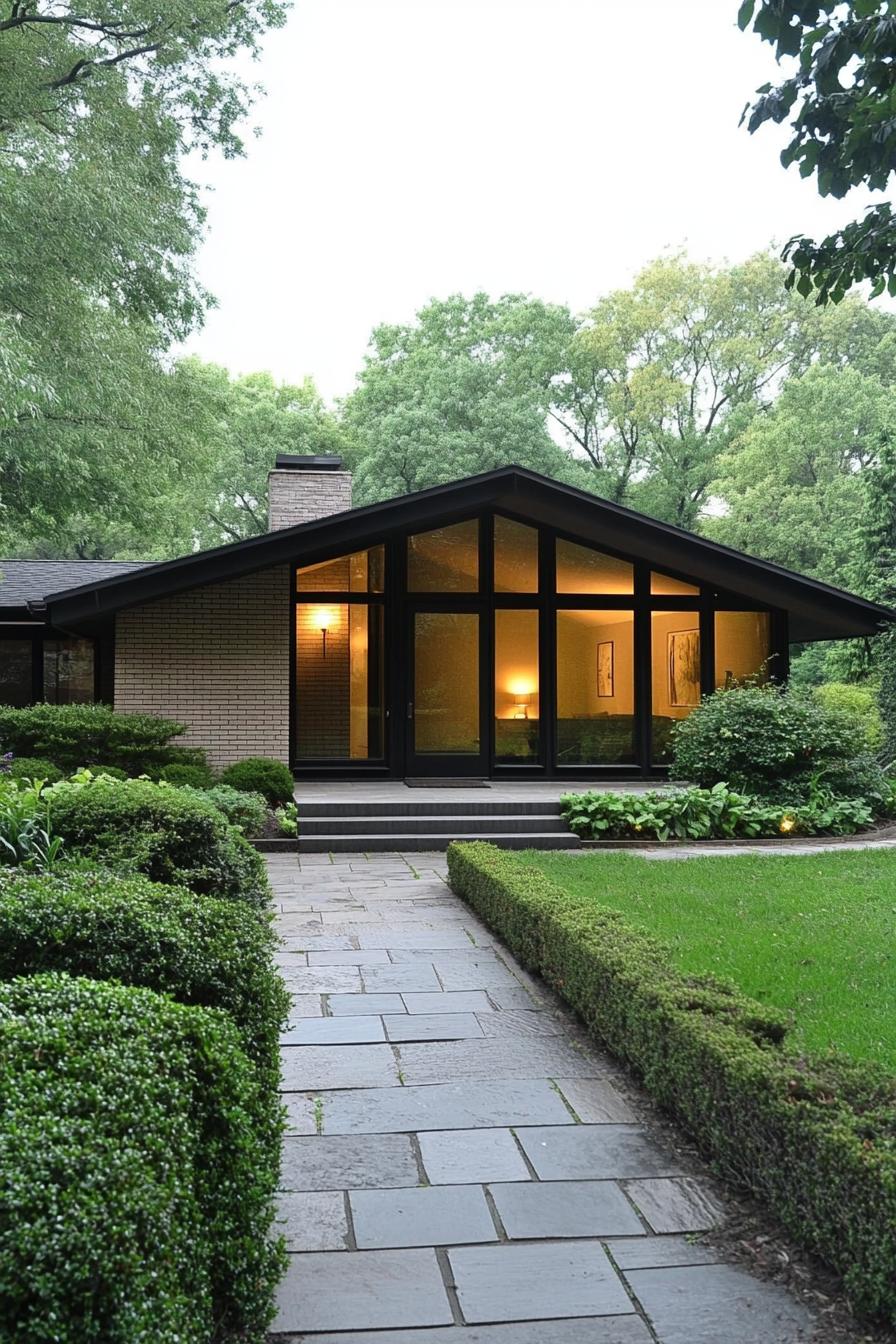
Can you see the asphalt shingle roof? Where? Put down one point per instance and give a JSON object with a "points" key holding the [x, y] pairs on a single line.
{"points": [[24, 581]]}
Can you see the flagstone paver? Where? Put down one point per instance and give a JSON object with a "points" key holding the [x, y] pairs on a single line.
{"points": [[461, 1165]]}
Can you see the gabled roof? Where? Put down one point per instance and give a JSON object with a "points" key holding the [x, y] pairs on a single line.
{"points": [[817, 610]]}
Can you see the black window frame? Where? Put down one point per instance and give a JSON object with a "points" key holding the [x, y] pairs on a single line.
{"points": [[398, 601]]}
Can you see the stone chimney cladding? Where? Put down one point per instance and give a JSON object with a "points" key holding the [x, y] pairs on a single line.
{"points": [[301, 496]]}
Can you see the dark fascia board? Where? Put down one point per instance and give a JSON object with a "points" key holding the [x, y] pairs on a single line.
{"points": [[818, 610]]}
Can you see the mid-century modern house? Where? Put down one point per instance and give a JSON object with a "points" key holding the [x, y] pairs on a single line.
{"points": [[502, 626]]}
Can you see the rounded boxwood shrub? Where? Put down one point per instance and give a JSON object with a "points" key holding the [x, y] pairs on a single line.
{"points": [[136, 1187], [261, 774], [29, 768], [200, 950], [195, 776], [774, 743], [160, 831], [247, 811]]}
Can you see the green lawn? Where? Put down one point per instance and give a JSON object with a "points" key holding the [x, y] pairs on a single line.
{"points": [[814, 936]]}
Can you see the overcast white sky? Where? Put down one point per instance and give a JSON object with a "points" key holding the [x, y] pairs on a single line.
{"points": [[417, 148]]}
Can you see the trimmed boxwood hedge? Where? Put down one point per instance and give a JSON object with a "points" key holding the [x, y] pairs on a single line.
{"points": [[214, 953], [135, 1194], [160, 831], [75, 735], [815, 1139]]}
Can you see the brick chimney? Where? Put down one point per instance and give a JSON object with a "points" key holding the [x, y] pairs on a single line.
{"points": [[301, 489]]}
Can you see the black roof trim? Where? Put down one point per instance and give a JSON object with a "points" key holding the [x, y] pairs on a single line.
{"points": [[822, 611]]}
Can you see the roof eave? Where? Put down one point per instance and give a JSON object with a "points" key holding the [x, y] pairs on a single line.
{"points": [[819, 611]]}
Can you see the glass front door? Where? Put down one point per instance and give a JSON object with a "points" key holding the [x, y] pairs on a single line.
{"points": [[445, 695]]}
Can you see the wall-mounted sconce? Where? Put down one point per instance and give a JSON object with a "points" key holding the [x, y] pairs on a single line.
{"points": [[324, 621]]}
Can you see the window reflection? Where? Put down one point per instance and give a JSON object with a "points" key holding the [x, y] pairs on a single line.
{"points": [[360, 572], [675, 674], [68, 671], [445, 560], [516, 685], [446, 683], [663, 585], [339, 681], [743, 644], [595, 688], [516, 557], [15, 672], [580, 569]]}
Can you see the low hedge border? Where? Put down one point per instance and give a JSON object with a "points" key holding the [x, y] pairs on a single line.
{"points": [[136, 1196], [814, 1138]]}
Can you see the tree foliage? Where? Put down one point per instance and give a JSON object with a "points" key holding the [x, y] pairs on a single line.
{"points": [[237, 426], [838, 98], [793, 479], [657, 373], [465, 388], [98, 107]]}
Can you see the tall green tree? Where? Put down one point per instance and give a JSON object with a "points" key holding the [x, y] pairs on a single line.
{"points": [[658, 372], [879, 554], [792, 484], [98, 227], [838, 98], [250, 420], [465, 388]]}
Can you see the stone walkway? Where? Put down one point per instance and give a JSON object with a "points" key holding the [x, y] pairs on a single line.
{"points": [[461, 1165]]}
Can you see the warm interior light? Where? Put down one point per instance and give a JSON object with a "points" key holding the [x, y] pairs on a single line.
{"points": [[521, 689], [787, 824], [324, 618]]}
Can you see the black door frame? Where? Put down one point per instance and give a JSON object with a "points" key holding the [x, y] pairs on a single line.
{"points": [[449, 764]]}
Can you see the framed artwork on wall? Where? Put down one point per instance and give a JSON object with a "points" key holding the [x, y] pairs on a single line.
{"points": [[684, 667], [605, 669]]}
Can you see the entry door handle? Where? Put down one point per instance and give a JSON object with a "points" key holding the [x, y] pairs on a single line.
{"points": [[410, 709]]}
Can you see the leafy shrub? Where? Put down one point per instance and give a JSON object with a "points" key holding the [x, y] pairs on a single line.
{"points": [[815, 1139], [773, 743], [247, 811], [30, 768], [261, 774], [861, 703], [75, 735], [135, 825], [25, 830], [193, 776], [708, 814], [287, 819], [136, 1190], [112, 771], [214, 953]]}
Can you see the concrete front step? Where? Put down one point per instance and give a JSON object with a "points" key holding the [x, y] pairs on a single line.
{"points": [[507, 823], [429, 808], [431, 840]]}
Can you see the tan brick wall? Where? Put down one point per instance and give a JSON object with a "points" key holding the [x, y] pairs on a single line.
{"points": [[217, 659]]}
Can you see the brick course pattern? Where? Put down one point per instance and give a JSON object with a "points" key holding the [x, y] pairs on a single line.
{"points": [[217, 659], [301, 496]]}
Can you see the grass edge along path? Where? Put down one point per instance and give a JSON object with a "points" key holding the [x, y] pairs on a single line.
{"points": [[815, 1139], [813, 936]]}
